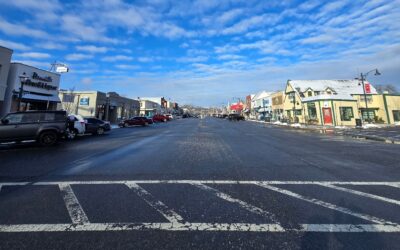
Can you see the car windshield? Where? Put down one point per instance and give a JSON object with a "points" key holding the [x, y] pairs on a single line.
{"points": [[200, 124]]}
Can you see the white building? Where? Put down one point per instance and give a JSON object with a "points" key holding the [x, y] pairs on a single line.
{"points": [[149, 108], [5, 61], [40, 89], [261, 105]]}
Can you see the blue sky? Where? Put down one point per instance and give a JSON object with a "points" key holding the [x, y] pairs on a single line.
{"points": [[203, 52]]}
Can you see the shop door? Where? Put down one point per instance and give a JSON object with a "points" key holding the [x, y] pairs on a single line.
{"points": [[327, 115]]}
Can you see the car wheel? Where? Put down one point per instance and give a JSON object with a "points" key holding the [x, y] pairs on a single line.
{"points": [[71, 134], [100, 131], [126, 124], [165, 120], [48, 138]]}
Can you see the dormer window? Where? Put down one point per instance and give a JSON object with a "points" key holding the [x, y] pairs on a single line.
{"points": [[309, 93], [317, 92]]}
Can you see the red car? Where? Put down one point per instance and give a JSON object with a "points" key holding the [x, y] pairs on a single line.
{"points": [[138, 121], [160, 118]]}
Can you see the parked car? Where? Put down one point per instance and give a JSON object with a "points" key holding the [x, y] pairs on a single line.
{"points": [[46, 127], [149, 119], [134, 121], [160, 118], [235, 117], [76, 126], [96, 126]]}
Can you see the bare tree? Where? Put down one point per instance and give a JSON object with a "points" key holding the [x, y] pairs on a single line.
{"points": [[389, 88], [68, 101]]}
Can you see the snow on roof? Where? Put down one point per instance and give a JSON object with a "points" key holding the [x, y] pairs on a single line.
{"points": [[340, 87], [261, 94], [328, 97]]}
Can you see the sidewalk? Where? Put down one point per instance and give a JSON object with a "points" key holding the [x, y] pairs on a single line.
{"points": [[381, 132]]}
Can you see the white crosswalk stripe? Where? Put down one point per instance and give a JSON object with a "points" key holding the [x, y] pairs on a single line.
{"points": [[176, 222]]}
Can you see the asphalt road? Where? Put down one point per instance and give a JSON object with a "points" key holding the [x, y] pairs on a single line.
{"points": [[201, 184]]}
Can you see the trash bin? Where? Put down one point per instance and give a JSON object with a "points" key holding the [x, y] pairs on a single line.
{"points": [[358, 123]]}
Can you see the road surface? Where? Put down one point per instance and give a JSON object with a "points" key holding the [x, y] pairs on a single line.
{"points": [[201, 184]]}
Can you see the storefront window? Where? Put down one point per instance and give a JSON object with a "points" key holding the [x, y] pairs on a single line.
{"points": [[367, 114], [346, 113], [396, 115]]}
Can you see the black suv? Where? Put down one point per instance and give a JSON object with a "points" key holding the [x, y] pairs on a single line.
{"points": [[46, 127]]}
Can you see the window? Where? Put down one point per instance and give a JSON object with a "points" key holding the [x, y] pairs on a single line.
{"points": [[312, 111], [30, 117], [396, 115], [309, 93], [14, 118], [297, 112], [346, 113], [317, 92], [367, 114]]}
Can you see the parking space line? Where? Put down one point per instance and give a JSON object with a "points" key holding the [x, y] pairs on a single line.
{"points": [[169, 214], [75, 210], [327, 205], [352, 191], [216, 227], [242, 204]]}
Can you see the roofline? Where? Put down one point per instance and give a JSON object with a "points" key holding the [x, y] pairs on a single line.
{"points": [[36, 68], [12, 51]]}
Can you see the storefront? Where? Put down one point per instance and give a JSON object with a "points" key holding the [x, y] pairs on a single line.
{"points": [[30, 88]]}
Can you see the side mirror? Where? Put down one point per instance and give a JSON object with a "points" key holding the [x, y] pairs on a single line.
{"points": [[5, 121]]}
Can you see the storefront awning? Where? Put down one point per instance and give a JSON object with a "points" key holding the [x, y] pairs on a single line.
{"points": [[41, 98]]}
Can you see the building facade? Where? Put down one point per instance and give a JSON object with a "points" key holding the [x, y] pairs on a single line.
{"points": [[105, 106], [30, 88], [277, 106], [5, 62], [149, 108], [338, 103]]}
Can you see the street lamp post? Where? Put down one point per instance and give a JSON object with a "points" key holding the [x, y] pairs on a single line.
{"points": [[107, 106], [363, 77], [23, 78]]}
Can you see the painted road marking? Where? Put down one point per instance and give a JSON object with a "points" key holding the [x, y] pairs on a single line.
{"points": [[216, 227], [75, 210], [327, 205], [372, 196], [80, 221], [368, 183], [241, 203], [169, 214]]}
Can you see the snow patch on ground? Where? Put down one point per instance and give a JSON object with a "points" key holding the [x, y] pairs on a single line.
{"points": [[342, 127], [296, 125], [370, 126], [114, 126], [397, 123]]}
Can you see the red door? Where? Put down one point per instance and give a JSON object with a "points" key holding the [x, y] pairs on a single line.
{"points": [[327, 115]]}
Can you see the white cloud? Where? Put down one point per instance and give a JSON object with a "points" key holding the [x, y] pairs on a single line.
{"points": [[76, 27], [249, 23], [13, 45], [127, 66], [87, 81], [51, 45], [34, 55], [92, 49], [21, 30], [230, 57], [78, 57], [192, 59], [117, 58]]}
